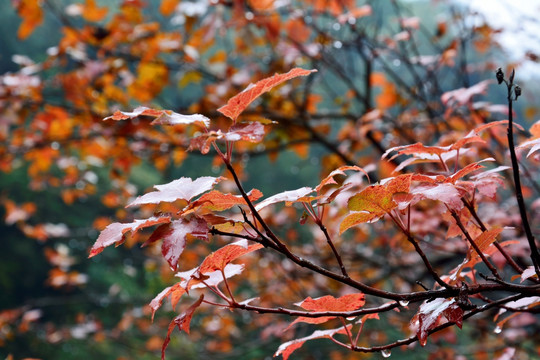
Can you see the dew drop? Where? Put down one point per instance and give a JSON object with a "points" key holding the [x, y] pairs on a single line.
{"points": [[403, 302], [497, 330], [386, 353]]}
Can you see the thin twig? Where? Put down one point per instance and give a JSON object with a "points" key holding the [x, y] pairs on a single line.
{"points": [[473, 244]]}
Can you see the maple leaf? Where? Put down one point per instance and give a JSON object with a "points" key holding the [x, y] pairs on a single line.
{"points": [[429, 314], [388, 96], [222, 257], [238, 103], [463, 96], [472, 136], [446, 193], [183, 322], [91, 12], [467, 170], [253, 132], [217, 201], [114, 233], [286, 349], [175, 290], [347, 302], [356, 218], [286, 196], [483, 242], [374, 201], [32, 16], [329, 180], [175, 235], [193, 279], [162, 117], [422, 153], [527, 273], [167, 7], [417, 148], [533, 144], [183, 188]]}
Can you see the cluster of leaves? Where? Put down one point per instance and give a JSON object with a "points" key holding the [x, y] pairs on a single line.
{"points": [[447, 192], [359, 234]]}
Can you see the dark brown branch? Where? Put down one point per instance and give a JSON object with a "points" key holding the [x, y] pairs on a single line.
{"points": [[535, 255], [414, 338]]}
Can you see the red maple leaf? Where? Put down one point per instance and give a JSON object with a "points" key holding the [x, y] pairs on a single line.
{"points": [[222, 257], [175, 235], [238, 103], [114, 233], [183, 322]]}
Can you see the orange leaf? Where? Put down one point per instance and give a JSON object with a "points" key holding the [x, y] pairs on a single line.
{"points": [[92, 12], [220, 258], [374, 199], [354, 219], [238, 103], [217, 201], [340, 171], [32, 16], [347, 302], [167, 7], [297, 30], [176, 290], [484, 240], [388, 96]]}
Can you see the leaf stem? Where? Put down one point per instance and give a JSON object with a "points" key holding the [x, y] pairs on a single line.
{"points": [[332, 246], [508, 258], [473, 244]]}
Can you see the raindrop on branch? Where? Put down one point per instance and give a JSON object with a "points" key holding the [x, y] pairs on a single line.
{"points": [[386, 353]]}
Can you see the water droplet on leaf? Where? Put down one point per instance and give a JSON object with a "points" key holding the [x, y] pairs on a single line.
{"points": [[386, 353], [403, 302], [497, 330]]}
